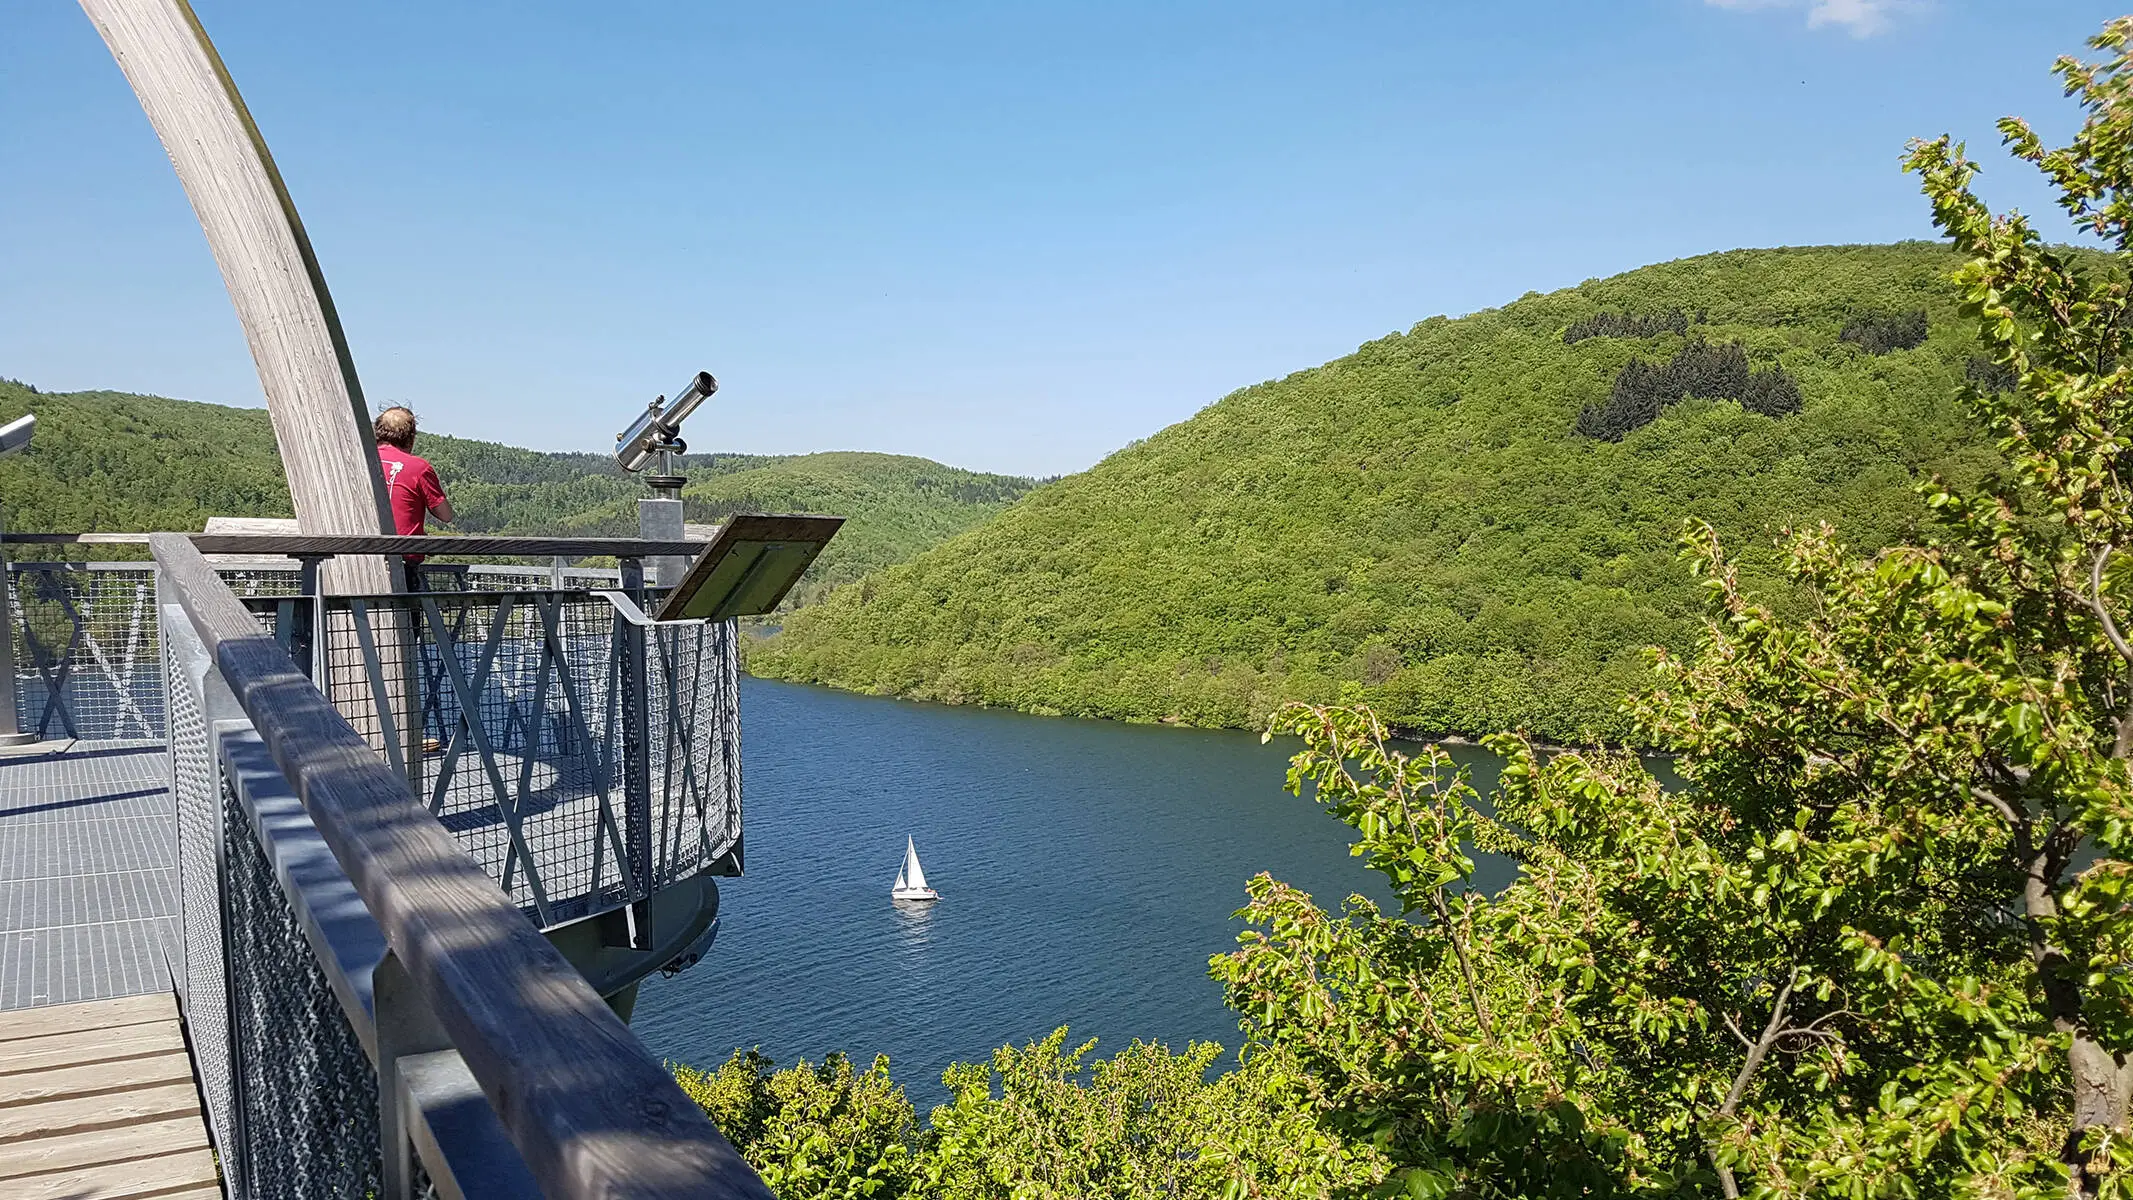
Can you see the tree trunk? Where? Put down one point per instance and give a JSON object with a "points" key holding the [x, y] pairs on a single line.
{"points": [[2103, 1086], [2102, 1080]]}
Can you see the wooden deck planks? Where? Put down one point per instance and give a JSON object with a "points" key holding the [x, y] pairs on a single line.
{"points": [[98, 1102], [97, 1146], [88, 1046], [140, 1177], [95, 1014]]}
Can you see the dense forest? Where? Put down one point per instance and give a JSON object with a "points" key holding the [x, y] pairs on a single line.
{"points": [[112, 461], [1424, 520]]}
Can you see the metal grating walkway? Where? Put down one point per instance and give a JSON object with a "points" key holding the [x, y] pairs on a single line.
{"points": [[88, 891]]}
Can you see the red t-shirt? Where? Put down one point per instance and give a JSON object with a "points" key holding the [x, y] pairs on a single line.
{"points": [[411, 484]]}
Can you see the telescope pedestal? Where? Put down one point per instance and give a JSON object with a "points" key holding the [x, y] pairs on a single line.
{"points": [[660, 517]]}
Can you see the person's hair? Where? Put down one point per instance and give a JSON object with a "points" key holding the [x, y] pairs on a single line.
{"points": [[396, 427]]}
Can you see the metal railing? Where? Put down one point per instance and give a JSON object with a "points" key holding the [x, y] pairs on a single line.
{"points": [[86, 663], [85, 654], [586, 756], [371, 1015]]}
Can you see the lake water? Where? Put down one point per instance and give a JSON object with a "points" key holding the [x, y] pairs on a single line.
{"points": [[1087, 871]]}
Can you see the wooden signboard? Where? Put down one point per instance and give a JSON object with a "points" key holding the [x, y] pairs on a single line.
{"points": [[748, 567]]}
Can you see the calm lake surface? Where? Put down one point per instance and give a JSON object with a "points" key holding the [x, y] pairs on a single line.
{"points": [[1087, 871]]}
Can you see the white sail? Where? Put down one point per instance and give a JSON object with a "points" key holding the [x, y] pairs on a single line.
{"points": [[899, 884], [913, 875]]}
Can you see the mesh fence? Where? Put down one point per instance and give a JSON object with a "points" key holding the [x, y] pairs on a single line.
{"points": [[511, 713], [693, 678], [196, 789], [86, 658], [87, 662], [307, 1094], [483, 577], [262, 581]]}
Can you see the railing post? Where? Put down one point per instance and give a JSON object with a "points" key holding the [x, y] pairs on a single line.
{"points": [[634, 674], [405, 1028], [11, 731], [305, 644]]}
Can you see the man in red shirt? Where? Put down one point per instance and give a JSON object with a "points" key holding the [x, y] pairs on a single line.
{"points": [[410, 481]]}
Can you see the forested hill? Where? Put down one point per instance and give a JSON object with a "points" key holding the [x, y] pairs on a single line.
{"points": [[113, 461], [1475, 521]]}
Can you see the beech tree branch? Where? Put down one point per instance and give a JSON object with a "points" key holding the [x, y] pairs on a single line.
{"points": [[1773, 1030]]}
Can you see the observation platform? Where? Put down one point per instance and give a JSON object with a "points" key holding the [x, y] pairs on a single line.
{"points": [[530, 770]]}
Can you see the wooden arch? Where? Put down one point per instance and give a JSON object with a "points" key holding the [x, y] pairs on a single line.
{"points": [[320, 423]]}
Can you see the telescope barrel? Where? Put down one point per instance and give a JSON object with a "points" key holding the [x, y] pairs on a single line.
{"points": [[698, 391]]}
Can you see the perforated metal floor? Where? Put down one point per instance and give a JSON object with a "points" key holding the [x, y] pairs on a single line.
{"points": [[88, 891]]}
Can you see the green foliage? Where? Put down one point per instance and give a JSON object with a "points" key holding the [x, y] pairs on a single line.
{"points": [[1037, 1123], [1886, 333], [899, 506], [112, 461], [1421, 520], [812, 1131], [1987, 376], [1814, 991], [108, 461], [1644, 390], [1626, 325]]}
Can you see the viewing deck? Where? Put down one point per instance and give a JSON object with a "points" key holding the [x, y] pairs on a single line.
{"points": [[515, 764]]}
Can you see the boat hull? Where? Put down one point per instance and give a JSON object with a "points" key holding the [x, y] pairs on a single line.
{"points": [[914, 894]]}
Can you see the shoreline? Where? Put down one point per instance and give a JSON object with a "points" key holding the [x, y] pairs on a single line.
{"points": [[1401, 733]]}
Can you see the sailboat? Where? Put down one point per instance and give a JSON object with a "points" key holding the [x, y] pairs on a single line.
{"points": [[911, 878]]}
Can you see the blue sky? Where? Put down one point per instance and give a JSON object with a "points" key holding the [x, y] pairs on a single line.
{"points": [[1012, 237]]}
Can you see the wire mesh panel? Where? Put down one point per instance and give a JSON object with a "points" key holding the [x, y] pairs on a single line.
{"points": [[486, 577], [261, 580], [693, 677], [86, 658], [512, 714], [307, 1094], [196, 789]]}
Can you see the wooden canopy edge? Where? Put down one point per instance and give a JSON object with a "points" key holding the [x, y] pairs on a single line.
{"points": [[321, 424], [587, 1106]]}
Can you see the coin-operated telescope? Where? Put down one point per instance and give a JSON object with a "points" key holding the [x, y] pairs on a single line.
{"points": [[657, 435], [652, 440], [15, 435]]}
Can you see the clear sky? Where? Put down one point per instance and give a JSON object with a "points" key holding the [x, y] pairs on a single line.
{"points": [[1012, 237]]}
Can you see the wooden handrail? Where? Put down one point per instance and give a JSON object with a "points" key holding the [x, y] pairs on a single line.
{"points": [[589, 1109], [293, 545]]}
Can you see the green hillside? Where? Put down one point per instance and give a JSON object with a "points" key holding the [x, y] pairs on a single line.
{"points": [[900, 505], [112, 461], [1440, 519]]}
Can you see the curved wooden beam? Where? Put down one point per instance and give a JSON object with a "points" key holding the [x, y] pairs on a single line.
{"points": [[320, 422]]}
